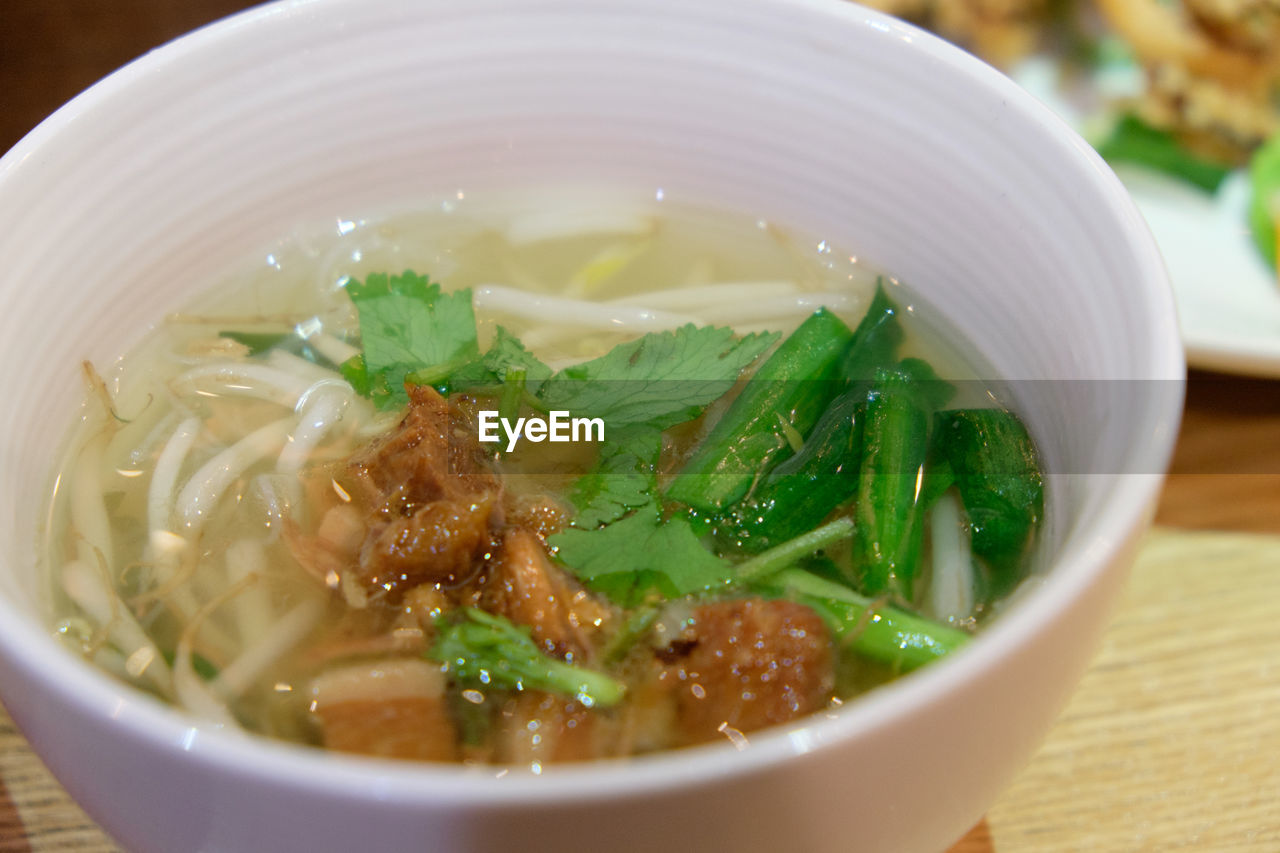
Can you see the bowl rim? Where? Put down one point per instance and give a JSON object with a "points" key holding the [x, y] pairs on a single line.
{"points": [[1122, 510]]}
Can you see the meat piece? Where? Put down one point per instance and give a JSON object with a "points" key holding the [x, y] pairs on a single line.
{"points": [[432, 455], [540, 514], [746, 664], [525, 587], [541, 727], [422, 508], [342, 529], [333, 548], [441, 542], [392, 709]]}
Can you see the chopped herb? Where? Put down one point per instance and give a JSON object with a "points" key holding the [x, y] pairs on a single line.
{"points": [[407, 323], [661, 379], [799, 380], [203, 667], [624, 478], [258, 342], [504, 355], [482, 648], [626, 559]]}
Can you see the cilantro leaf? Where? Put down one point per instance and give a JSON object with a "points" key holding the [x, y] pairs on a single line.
{"points": [[407, 323], [506, 353], [627, 558], [661, 379], [624, 478]]}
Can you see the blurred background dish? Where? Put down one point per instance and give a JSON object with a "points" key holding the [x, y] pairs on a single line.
{"points": [[1187, 87]]}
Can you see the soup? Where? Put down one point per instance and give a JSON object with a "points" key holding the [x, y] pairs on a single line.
{"points": [[597, 485]]}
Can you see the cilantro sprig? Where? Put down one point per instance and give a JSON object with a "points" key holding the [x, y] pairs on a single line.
{"points": [[480, 648], [412, 331], [407, 324], [641, 552]]}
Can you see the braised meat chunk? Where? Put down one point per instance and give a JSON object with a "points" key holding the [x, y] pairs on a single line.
{"points": [[431, 508], [527, 588], [536, 726], [747, 664], [392, 709]]}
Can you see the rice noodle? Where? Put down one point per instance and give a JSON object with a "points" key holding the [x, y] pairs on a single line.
{"points": [[203, 491], [99, 602], [606, 264], [300, 367], [709, 295], [268, 487], [286, 632], [167, 552], [88, 512], [245, 379], [798, 305], [575, 312], [164, 478], [191, 690], [951, 588], [153, 423], [173, 565], [552, 223], [247, 558], [332, 348], [375, 423], [320, 411], [558, 364], [786, 327]]}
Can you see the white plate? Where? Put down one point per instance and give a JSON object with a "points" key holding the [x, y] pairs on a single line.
{"points": [[1228, 298]]}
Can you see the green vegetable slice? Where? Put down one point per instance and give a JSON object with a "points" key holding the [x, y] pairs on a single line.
{"points": [[894, 449], [998, 476], [872, 629], [1264, 182], [1134, 141], [796, 382]]}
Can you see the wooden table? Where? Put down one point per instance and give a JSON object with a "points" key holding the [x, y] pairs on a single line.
{"points": [[1172, 741]]}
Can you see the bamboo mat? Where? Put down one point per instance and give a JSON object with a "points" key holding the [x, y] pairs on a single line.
{"points": [[1171, 743]]}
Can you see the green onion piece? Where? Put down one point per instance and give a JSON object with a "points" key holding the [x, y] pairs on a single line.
{"points": [[870, 628], [782, 556], [1134, 141], [797, 380]]}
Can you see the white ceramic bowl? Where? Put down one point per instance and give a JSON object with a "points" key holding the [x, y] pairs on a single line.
{"points": [[816, 113]]}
